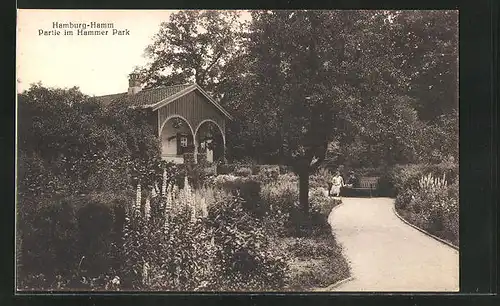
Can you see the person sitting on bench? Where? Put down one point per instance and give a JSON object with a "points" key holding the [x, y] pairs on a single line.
{"points": [[337, 183], [352, 180]]}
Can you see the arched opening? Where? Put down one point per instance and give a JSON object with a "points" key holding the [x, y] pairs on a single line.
{"points": [[210, 141], [176, 139]]}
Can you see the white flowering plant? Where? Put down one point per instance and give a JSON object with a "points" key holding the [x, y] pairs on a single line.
{"points": [[186, 239], [432, 203]]}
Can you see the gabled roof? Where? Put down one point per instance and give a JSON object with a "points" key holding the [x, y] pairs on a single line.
{"points": [[158, 97], [143, 97]]}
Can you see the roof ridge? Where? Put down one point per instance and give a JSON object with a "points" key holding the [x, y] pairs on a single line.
{"points": [[177, 85], [147, 89], [102, 96], [166, 86]]}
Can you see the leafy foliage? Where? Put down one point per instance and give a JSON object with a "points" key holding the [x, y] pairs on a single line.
{"points": [[69, 143], [285, 214], [430, 201], [380, 85], [195, 46], [177, 240], [71, 241]]}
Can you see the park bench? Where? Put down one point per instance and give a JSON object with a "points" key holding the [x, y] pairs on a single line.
{"points": [[367, 184]]}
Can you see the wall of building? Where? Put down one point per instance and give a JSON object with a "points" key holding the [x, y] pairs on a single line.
{"points": [[195, 108]]}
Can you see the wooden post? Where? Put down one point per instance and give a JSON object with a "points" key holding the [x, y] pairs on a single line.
{"points": [[195, 151], [224, 147]]}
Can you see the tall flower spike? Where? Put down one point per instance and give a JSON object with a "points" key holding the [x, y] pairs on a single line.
{"points": [[145, 268], [204, 207], [164, 182], [193, 213], [187, 188], [174, 194], [153, 192], [169, 198], [137, 205], [166, 212], [157, 189], [147, 208], [167, 195]]}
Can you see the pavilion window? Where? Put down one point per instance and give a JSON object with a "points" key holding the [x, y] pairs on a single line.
{"points": [[184, 141]]}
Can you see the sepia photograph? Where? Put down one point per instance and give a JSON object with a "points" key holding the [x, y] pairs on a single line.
{"points": [[237, 151]]}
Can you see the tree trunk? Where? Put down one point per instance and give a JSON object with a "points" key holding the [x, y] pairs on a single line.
{"points": [[304, 191]]}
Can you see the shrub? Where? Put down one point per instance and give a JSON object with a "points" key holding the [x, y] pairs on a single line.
{"points": [[407, 176], [248, 188], [49, 242], [196, 174], [288, 177], [225, 169], [36, 178], [284, 169], [186, 240], [432, 205], [311, 248], [243, 171], [320, 200], [318, 263], [245, 256], [287, 218], [320, 179], [385, 186], [268, 173], [66, 239], [255, 169], [180, 247]]}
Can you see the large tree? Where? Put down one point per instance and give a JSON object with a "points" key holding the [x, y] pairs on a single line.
{"points": [[297, 81], [426, 43], [68, 142], [195, 46], [290, 90], [316, 77]]}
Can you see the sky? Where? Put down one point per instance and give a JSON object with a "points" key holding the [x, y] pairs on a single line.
{"points": [[98, 65]]}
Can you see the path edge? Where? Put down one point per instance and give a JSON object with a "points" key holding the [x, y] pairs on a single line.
{"points": [[424, 231], [331, 211], [342, 281]]}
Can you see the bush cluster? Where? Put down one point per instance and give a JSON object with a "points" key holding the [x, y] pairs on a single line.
{"points": [[248, 188], [247, 169], [219, 247], [406, 177], [428, 197], [185, 240], [286, 215], [70, 241], [321, 179], [243, 171]]}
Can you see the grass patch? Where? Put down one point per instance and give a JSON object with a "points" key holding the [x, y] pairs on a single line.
{"points": [[315, 262]]}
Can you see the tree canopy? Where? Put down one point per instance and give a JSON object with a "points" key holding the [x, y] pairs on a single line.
{"points": [[357, 88], [195, 46], [362, 88], [69, 143], [368, 70]]}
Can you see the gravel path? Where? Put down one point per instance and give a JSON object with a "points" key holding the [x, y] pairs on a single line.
{"points": [[385, 254]]}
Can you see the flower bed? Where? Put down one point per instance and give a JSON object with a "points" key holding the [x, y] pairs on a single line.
{"points": [[430, 203], [315, 262], [313, 256], [231, 234], [173, 239]]}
